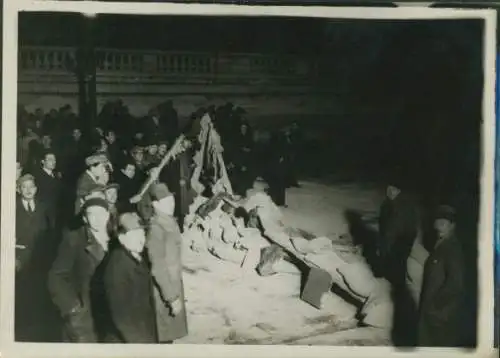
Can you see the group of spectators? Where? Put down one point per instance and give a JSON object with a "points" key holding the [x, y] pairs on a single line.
{"points": [[95, 260]]}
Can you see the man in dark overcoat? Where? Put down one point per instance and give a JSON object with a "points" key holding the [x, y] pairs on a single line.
{"points": [[129, 286], [153, 124], [398, 226], [75, 279], [35, 248], [441, 299], [276, 169], [164, 244], [49, 183]]}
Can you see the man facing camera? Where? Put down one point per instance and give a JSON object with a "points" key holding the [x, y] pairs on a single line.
{"points": [[35, 247], [443, 287], [129, 286], [75, 279]]}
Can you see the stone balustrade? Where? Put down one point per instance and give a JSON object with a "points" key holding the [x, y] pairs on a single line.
{"points": [[181, 66]]}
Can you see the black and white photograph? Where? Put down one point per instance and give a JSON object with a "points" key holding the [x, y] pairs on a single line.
{"points": [[278, 180]]}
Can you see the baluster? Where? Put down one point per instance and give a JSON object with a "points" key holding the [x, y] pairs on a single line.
{"points": [[39, 60], [165, 65], [46, 59], [109, 61], [113, 61], [33, 60]]}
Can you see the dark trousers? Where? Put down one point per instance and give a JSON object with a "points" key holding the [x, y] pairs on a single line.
{"points": [[395, 259]]}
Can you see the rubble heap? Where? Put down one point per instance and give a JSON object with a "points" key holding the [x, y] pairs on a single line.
{"points": [[242, 248], [240, 252]]}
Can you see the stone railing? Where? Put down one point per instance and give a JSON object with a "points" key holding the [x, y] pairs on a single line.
{"points": [[170, 66]]}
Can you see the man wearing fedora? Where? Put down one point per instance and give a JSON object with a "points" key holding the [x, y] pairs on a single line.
{"points": [[75, 279], [129, 286], [441, 304], [164, 250]]}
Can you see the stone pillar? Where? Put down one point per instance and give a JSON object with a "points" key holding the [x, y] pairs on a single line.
{"points": [[86, 73]]}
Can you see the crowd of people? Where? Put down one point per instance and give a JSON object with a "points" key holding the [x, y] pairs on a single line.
{"points": [[86, 241]]}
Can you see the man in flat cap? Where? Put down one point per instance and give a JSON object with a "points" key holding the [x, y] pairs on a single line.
{"points": [[151, 154], [443, 290], [129, 286], [96, 173], [35, 247], [75, 279], [164, 250]]}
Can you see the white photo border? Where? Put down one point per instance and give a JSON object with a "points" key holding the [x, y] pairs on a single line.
{"points": [[486, 226]]}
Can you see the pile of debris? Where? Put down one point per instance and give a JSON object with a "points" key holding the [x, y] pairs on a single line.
{"points": [[247, 238], [242, 243]]}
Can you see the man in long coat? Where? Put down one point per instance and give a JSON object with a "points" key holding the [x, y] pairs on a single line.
{"points": [[49, 183], [398, 225], [75, 279], [34, 251], [129, 286], [441, 304], [164, 250]]}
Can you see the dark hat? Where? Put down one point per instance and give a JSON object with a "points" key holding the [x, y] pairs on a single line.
{"points": [[397, 181], [159, 191], [446, 212], [150, 140], [111, 186], [97, 158], [92, 187], [95, 202], [137, 148], [130, 221]]}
